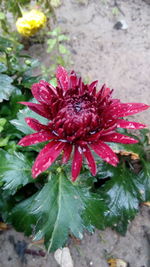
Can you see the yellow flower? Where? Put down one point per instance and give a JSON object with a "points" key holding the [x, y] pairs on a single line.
{"points": [[31, 22]]}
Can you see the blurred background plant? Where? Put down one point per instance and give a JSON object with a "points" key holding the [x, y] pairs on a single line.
{"points": [[31, 22], [58, 53], [16, 78], [16, 65], [11, 10]]}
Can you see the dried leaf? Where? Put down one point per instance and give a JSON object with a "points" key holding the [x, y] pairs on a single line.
{"points": [[76, 241], [133, 155], [146, 203], [135, 151], [38, 242], [117, 263], [3, 226]]}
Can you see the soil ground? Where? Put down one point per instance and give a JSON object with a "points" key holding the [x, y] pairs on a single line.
{"points": [[121, 59]]}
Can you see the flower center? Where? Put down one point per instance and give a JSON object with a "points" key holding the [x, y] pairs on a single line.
{"points": [[77, 107], [77, 117]]}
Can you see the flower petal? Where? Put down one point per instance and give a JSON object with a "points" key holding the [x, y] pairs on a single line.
{"points": [[129, 124], [73, 80], [90, 160], [46, 157], [35, 138], [118, 138], [92, 86], [105, 152], [35, 124], [39, 109], [103, 93], [43, 91], [76, 163], [62, 78], [67, 152], [126, 109]]}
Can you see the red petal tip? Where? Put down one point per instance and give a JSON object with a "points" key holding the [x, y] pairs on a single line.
{"points": [[19, 143], [74, 179]]}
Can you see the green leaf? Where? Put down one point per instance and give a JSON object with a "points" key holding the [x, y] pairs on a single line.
{"points": [[144, 181], [4, 141], [60, 60], [2, 16], [58, 209], [6, 88], [4, 43], [55, 32], [63, 37], [122, 195], [115, 11], [104, 170], [15, 171], [6, 204], [20, 123], [52, 208], [63, 49], [1, 129], [27, 82], [3, 68], [53, 81], [21, 218], [51, 44], [13, 107], [94, 211], [34, 63], [144, 139], [2, 123]]}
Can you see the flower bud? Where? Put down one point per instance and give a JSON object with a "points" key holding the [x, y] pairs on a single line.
{"points": [[28, 62], [8, 49]]}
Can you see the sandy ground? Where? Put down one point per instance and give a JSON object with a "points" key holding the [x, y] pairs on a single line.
{"points": [[121, 59]]}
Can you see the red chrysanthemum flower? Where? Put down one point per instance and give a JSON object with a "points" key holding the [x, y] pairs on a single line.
{"points": [[80, 119]]}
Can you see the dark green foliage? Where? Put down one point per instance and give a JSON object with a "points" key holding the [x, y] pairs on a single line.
{"points": [[58, 209], [15, 171], [122, 196]]}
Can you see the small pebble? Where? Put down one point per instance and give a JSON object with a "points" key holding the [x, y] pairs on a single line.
{"points": [[63, 257], [121, 25]]}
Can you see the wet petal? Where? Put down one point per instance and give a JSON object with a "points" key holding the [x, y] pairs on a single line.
{"points": [[126, 109], [92, 86], [129, 124], [119, 138], [46, 157], [67, 152], [35, 124], [106, 92], [103, 93], [35, 138], [93, 137], [81, 86], [62, 78], [39, 109], [77, 162], [43, 91], [73, 80], [105, 152], [90, 160]]}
